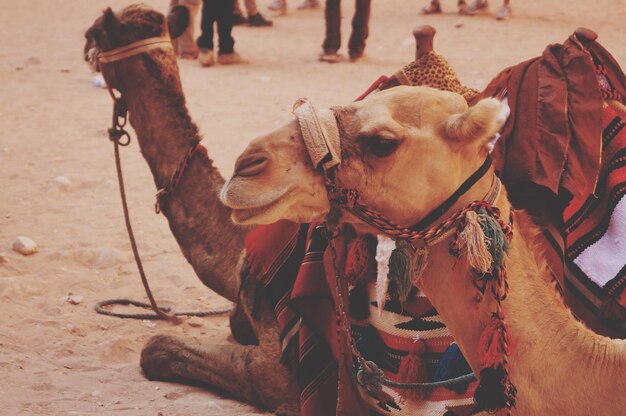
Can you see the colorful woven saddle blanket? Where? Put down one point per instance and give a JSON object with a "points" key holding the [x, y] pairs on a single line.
{"points": [[561, 157], [408, 341]]}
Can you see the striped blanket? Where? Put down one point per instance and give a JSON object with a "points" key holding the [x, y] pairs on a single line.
{"points": [[561, 156], [595, 230], [293, 265]]}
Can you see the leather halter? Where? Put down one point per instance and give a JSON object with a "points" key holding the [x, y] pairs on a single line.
{"points": [[135, 48], [321, 138]]}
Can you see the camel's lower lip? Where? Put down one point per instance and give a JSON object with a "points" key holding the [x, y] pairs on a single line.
{"points": [[244, 215]]}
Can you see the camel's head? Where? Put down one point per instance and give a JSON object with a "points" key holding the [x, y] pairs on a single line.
{"points": [[405, 150], [133, 23]]}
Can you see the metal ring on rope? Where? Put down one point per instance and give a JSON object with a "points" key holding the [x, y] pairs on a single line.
{"points": [[100, 308]]}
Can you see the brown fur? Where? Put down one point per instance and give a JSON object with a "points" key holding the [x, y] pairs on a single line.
{"points": [[211, 243]]}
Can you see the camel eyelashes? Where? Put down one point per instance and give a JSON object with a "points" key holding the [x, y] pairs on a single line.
{"points": [[378, 146]]}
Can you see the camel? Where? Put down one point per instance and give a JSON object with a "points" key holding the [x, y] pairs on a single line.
{"points": [[198, 220], [405, 150]]}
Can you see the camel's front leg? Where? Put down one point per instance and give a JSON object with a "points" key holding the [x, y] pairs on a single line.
{"points": [[249, 373]]}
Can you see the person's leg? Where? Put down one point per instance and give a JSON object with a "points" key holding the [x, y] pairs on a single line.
{"points": [[185, 45], [238, 18], [223, 16], [332, 14], [205, 40], [360, 29], [251, 7], [255, 18]]}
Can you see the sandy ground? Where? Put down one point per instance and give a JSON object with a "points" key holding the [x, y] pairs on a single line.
{"points": [[57, 358]]}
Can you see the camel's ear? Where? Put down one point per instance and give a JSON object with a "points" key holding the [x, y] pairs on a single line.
{"points": [[111, 26], [479, 122], [177, 21]]}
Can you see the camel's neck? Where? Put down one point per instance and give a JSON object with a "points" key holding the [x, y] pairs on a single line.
{"points": [[557, 365], [557, 357], [199, 221], [159, 115]]}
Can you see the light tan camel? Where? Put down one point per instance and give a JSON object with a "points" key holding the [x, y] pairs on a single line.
{"points": [[406, 150], [199, 222], [211, 243]]}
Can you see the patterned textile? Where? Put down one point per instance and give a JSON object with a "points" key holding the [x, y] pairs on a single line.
{"points": [[595, 229], [291, 262], [559, 157]]}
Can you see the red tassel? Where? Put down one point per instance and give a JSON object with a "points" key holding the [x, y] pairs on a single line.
{"points": [[494, 342], [413, 369], [359, 261]]}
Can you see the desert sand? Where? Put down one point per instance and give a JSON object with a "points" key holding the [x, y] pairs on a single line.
{"points": [[59, 358]]}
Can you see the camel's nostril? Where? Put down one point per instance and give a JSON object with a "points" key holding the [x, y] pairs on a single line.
{"points": [[251, 165]]}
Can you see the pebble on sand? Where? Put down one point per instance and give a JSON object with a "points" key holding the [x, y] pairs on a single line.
{"points": [[25, 246], [195, 322], [60, 183], [73, 299], [3, 258]]}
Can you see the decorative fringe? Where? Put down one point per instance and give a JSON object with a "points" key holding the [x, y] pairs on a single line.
{"points": [[413, 369], [420, 260], [359, 261], [384, 248], [495, 391], [494, 342], [401, 269], [473, 240], [494, 236]]}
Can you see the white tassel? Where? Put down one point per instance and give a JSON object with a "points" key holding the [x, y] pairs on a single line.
{"points": [[384, 248], [473, 240]]}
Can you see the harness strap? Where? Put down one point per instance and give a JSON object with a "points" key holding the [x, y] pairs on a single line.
{"points": [[135, 48], [447, 204], [320, 133]]}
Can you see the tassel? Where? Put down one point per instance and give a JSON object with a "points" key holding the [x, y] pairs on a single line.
{"points": [[496, 240], [413, 369], [495, 391], [494, 342], [420, 260], [401, 269], [359, 261], [384, 248], [473, 240]]}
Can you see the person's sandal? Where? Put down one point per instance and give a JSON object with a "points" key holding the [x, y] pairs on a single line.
{"points": [[238, 19], [259, 21], [206, 57], [231, 59], [309, 4], [476, 6], [431, 8], [504, 12], [329, 57]]}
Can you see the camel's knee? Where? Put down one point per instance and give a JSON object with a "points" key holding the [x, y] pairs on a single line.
{"points": [[157, 356]]}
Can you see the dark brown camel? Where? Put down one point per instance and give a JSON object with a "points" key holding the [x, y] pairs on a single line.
{"points": [[200, 222]]}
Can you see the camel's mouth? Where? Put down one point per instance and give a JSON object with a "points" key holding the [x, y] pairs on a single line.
{"points": [[256, 215]]}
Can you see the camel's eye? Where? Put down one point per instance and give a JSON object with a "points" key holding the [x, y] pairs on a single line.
{"points": [[380, 147]]}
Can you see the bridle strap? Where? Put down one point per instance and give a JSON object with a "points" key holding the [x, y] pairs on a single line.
{"points": [[447, 204], [135, 48]]}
